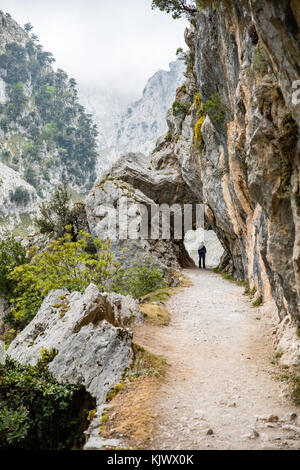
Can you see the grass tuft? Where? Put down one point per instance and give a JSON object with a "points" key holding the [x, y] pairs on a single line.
{"points": [[146, 363], [258, 302], [296, 391]]}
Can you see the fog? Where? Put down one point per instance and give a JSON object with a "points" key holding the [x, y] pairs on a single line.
{"points": [[114, 45]]}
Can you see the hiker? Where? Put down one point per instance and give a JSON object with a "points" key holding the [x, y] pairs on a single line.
{"points": [[202, 253]]}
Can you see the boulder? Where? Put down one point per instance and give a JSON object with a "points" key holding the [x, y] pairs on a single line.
{"points": [[90, 333], [105, 211]]}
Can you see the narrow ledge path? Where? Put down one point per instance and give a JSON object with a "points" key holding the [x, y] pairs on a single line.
{"points": [[221, 390]]}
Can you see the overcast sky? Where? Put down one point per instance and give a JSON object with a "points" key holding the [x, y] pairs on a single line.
{"points": [[115, 44]]}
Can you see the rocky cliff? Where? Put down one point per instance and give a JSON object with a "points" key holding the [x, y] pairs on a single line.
{"points": [[133, 127], [246, 59], [45, 135], [233, 142]]}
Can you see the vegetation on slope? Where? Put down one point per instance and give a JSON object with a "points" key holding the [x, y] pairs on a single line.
{"points": [[38, 413], [44, 131]]}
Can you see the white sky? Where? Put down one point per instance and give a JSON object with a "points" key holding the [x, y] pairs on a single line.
{"points": [[107, 44]]}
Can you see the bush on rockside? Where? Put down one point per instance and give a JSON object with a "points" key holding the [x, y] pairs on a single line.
{"points": [[38, 413]]}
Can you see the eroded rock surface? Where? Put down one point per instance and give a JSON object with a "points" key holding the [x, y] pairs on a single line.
{"points": [[90, 333], [112, 197]]}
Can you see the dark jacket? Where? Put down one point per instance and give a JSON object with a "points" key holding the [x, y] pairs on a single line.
{"points": [[202, 251]]}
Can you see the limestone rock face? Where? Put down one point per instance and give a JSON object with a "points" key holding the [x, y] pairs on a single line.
{"points": [[287, 343], [105, 214], [12, 208], [249, 158], [125, 126], [89, 332]]}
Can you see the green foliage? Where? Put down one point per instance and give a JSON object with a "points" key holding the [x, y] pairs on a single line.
{"points": [[20, 196], [13, 62], [54, 117], [203, 4], [187, 57], [65, 264], [169, 136], [258, 302], [11, 254], [31, 177], [140, 279], [227, 276], [176, 7], [179, 109], [60, 212], [189, 8], [17, 101], [215, 108], [28, 27], [6, 154], [49, 131], [36, 412], [260, 61]]}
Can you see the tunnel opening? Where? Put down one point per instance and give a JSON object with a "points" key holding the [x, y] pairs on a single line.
{"points": [[194, 239]]}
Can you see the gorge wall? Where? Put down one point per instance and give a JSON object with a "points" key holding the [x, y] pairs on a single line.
{"points": [[233, 142], [246, 59], [132, 126]]}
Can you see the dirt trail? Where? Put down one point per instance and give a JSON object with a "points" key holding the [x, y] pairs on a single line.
{"points": [[220, 378]]}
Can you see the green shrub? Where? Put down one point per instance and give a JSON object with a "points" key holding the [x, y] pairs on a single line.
{"points": [[215, 108], [179, 108], [65, 264], [11, 254], [20, 196], [140, 279], [258, 302], [31, 177], [260, 61], [36, 412], [169, 136], [6, 155], [17, 100], [54, 115], [176, 7], [59, 213]]}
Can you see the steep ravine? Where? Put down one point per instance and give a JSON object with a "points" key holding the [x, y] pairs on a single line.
{"points": [[233, 145]]}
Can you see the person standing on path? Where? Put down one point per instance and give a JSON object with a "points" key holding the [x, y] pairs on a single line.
{"points": [[202, 254]]}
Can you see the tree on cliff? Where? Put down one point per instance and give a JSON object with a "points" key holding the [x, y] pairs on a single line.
{"points": [[28, 27], [184, 7], [176, 7]]}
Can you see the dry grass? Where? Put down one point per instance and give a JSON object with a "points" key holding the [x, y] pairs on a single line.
{"points": [[186, 282], [131, 416], [146, 363], [156, 314], [160, 295], [153, 304]]}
